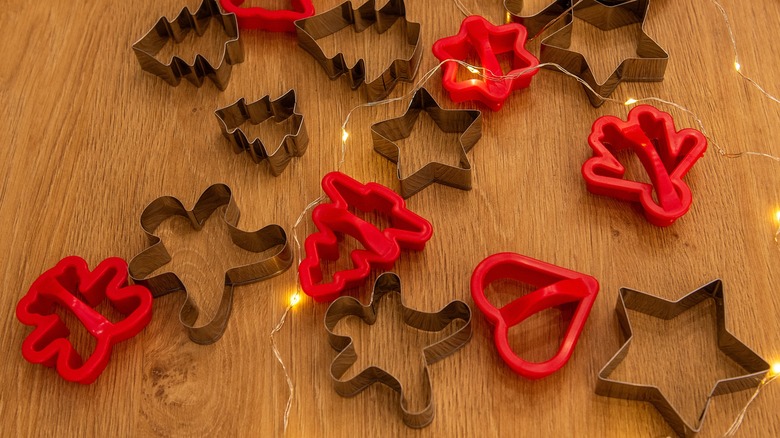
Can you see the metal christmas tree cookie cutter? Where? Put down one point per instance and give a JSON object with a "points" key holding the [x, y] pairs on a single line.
{"points": [[328, 23], [149, 46], [282, 109]]}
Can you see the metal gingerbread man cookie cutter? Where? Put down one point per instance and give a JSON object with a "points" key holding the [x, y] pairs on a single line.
{"points": [[155, 256], [385, 284]]}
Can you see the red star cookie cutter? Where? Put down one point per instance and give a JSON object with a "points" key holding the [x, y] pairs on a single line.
{"points": [[382, 247], [478, 36], [65, 285], [667, 155], [556, 287], [278, 20]]}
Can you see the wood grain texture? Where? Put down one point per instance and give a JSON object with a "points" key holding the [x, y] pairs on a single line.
{"points": [[89, 139]]}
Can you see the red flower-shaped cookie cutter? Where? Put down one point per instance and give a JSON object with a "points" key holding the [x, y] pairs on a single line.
{"points": [[556, 287], [65, 285], [667, 155], [478, 36], [273, 20], [382, 247]]}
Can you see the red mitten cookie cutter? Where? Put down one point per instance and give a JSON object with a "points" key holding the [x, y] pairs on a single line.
{"points": [[556, 287], [478, 36], [64, 285], [273, 20], [667, 155], [382, 247]]}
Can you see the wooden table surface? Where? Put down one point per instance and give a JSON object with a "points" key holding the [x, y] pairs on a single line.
{"points": [[89, 139]]}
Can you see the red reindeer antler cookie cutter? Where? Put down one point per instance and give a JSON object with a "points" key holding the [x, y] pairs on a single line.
{"points": [[556, 287], [382, 247], [666, 154], [64, 285], [272, 20]]}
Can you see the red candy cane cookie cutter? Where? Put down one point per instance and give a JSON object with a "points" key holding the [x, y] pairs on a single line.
{"points": [[556, 287], [64, 286]]}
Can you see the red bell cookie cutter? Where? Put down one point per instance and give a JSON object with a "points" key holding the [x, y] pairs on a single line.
{"points": [[273, 20], [65, 286], [667, 155], [382, 248], [556, 287], [478, 36]]}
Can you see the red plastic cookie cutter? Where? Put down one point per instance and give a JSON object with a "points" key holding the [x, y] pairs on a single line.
{"points": [[556, 287], [407, 230], [667, 155], [478, 36], [65, 285], [273, 20]]}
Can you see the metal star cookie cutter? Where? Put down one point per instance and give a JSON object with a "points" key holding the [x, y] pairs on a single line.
{"points": [[292, 145], [433, 322], [328, 23], [538, 22], [155, 256], [649, 64], [386, 133], [150, 45], [630, 299]]}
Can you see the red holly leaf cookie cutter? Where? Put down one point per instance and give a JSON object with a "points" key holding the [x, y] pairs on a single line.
{"points": [[272, 20], [556, 287], [478, 36], [667, 155], [407, 230], [65, 285]]}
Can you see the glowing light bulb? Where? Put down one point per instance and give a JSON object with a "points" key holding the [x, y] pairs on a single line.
{"points": [[344, 135], [508, 18], [295, 299], [777, 215], [737, 66], [472, 69], [631, 101]]}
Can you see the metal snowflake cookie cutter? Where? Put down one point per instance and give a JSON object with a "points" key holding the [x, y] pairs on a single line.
{"points": [[155, 256], [284, 108], [630, 299], [150, 45], [386, 133], [385, 284], [649, 64], [328, 23]]}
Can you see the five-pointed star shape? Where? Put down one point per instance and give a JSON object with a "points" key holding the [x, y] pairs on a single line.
{"points": [[630, 299], [385, 134], [649, 64]]}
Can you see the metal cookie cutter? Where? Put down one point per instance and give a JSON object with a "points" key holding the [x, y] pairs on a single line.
{"points": [[539, 21], [648, 65], [71, 286], [467, 122], [432, 322], [629, 299], [381, 248], [155, 256], [327, 23], [147, 47], [556, 287], [293, 144], [666, 154]]}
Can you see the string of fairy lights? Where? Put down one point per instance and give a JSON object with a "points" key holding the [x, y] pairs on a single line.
{"points": [[295, 297]]}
